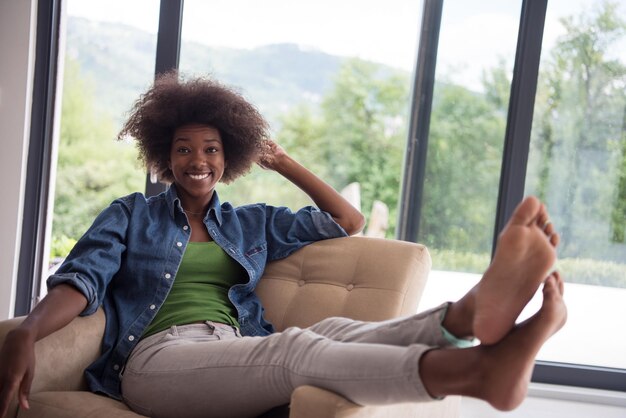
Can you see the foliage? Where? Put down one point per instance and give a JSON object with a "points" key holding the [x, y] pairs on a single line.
{"points": [[573, 270], [451, 260], [358, 135], [61, 246], [576, 159], [462, 170], [353, 128], [92, 168], [593, 272]]}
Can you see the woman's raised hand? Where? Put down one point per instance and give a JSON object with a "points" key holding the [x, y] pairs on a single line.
{"points": [[271, 153], [274, 157]]}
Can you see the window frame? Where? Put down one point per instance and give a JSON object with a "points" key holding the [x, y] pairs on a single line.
{"points": [[38, 169], [514, 159]]}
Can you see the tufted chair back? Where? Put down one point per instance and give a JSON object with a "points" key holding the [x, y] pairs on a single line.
{"points": [[369, 279]]}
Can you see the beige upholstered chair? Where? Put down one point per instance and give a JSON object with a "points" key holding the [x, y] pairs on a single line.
{"points": [[361, 278]]}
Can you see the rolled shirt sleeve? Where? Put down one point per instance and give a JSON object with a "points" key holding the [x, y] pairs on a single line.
{"points": [[96, 257]]}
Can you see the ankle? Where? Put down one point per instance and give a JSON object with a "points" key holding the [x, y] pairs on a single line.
{"points": [[458, 319]]}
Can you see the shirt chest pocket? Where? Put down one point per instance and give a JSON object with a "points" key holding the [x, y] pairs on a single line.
{"points": [[257, 255]]}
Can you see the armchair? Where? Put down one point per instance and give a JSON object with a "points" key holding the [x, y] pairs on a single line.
{"points": [[362, 278]]}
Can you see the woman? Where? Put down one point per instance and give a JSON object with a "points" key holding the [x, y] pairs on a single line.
{"points": [[176, 273]]}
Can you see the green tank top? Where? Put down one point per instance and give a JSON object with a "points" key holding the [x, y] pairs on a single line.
{"points": [[200, 289]]}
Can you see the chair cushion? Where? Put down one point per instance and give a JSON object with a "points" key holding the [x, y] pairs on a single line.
{"points": [[75, 404]]}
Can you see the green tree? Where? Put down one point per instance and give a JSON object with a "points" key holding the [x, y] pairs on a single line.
{"points": [[581, 96], [358, 134], [618, 215], [92, 168], [462, 170], [364, 137]]}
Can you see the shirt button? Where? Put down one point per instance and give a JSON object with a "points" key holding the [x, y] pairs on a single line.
{"points": [[167, 275], [116, 367], [131, 338], [350, 287], [179, 244], [153, 307], [301, 283], [185, 227]]}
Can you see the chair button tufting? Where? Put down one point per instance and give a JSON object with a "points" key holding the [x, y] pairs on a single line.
{"points": [[300, 282], [350, 286]]}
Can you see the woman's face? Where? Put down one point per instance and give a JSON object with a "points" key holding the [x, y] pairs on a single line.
{"points": [[197, 161]]}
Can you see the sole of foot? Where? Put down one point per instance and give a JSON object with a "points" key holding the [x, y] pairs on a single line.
{"points": [[523, 259]]}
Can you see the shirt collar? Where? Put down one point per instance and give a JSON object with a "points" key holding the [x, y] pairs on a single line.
{"points": [[173, 203]]}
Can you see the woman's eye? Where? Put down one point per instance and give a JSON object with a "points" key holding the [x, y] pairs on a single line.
{"points": [[211, 150], [183, 150]]}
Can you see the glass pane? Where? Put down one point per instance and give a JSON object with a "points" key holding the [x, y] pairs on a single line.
{"points": [[577, 164], [333, 79], [472, 82], [109, 61]]}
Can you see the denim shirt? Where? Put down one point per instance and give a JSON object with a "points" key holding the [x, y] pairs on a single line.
{"points": [[127, 261]]}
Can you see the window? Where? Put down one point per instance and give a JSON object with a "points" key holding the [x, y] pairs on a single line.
{"points": [[577, 165], [93, 168], [342, 109], [468, 120], [332, 78]]}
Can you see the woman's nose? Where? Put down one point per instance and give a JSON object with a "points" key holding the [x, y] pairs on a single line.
{"points": [[198, 159]]}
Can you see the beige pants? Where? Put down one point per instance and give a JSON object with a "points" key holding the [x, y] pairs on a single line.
{"points": [[209, 370]]}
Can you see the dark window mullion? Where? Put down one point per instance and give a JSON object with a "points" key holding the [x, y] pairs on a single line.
{"points": [[520, 115], [167, 56], [417, 144]]}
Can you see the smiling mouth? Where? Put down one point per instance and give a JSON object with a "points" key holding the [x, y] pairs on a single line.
{"points": [[199, 176]]}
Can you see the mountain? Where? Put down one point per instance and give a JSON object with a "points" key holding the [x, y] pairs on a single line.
{"points": [[118, 61]]}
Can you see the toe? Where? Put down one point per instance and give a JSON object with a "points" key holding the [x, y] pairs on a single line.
{"points": [[554, 239], [526, 212]]}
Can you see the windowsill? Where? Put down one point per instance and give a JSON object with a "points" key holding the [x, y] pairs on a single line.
{"points": [[576, 394], [549, 401]]}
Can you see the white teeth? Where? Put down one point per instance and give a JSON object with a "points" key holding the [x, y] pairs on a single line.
{"points": [[199, 176]]}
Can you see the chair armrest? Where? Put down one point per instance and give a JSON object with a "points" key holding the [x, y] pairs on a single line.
{"points": [[61, 357], [5, 327], [313, 402]]}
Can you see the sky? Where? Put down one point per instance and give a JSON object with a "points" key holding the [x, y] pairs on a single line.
{"points": [[474, 34]]}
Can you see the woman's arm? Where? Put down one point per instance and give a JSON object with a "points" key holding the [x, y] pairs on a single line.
{"points": [[325, 197], [17, 355]]}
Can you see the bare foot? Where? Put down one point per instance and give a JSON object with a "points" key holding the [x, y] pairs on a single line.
{"points": [[500, 373], [508, 365], [523, 259]]}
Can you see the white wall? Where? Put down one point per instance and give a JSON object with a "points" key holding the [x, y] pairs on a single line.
{"points": [[17, 29]]}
